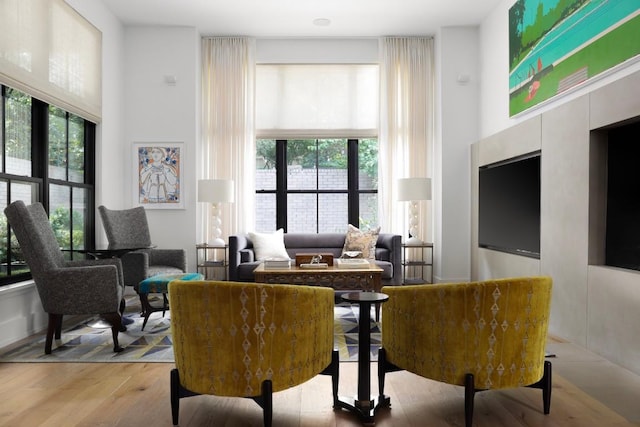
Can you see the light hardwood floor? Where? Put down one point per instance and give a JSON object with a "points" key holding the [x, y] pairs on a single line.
{"points": [[588, 391]]}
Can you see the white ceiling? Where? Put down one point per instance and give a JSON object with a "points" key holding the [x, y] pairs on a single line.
{"points": [[294, 18]]}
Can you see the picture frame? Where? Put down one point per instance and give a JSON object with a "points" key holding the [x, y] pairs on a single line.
{"points": [[158, 175], [555, 47]]}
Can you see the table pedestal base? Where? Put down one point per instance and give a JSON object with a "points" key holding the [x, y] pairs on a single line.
{"points": [[365, 410]]}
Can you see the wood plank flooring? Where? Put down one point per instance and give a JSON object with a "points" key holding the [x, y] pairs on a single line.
{"points": [[136, 394]]}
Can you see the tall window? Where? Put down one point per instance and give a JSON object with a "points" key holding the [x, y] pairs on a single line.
{"points": [[316, 185], [47, 156]]}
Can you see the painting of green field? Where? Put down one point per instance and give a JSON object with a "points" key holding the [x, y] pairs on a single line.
{"points": [[564, 43]]}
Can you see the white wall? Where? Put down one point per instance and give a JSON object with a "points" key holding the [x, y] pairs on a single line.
{"points": [[159, 112], [458, 84]]}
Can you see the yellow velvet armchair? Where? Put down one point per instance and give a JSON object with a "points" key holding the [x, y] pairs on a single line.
{"points": [[249, 339], [480, 335]]}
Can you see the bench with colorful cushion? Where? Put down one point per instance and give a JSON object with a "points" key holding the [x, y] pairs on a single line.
{"points": [[159, 284]]}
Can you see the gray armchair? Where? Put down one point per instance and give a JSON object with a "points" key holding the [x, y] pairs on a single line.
{"points": [[129, 228], [66, 287]]}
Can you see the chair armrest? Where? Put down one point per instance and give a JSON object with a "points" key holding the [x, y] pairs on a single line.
{"points": [[172, 257], [393, 242], [82, 290], [238, 245], [103, 261], [135, 266]]}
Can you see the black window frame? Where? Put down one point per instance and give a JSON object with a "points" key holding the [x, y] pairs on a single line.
{"points": [[353, 191], [40, 175]]}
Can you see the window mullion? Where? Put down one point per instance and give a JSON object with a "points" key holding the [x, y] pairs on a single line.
{"points": [[353, 198], [281, 184], [40, 147]]}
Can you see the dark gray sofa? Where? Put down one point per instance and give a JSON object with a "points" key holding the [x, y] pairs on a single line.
{"points": [[242, 259]]}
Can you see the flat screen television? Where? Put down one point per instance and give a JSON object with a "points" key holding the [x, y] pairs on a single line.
{"points": [[509, 206]]}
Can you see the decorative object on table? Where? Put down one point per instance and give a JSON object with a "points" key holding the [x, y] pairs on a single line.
{"points": [[289, 350], [158, 172], [414, 190], [129, 228], [480, 335], [306, 258], [66, 287], [277, 263], [315, 262], [363, 241], [352, 263], [216, 191]]}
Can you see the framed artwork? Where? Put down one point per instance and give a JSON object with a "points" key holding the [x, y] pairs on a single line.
{"points": [[158, 175], [555, 45]]}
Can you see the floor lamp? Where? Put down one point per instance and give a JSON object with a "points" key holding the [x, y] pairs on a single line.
{"points": [[413, 190], [216, 191]]}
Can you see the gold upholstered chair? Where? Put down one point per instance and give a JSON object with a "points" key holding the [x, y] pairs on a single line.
{"points": [[249, 339], [480, 335]]}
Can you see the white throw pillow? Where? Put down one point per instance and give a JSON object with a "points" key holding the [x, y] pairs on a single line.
{"points": [[269, 245]]}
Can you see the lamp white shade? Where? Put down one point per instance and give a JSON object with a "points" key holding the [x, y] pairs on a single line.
{"points": [[412, 189], [216, 190]]}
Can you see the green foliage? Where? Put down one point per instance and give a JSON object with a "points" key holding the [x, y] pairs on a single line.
{"points": [[61, 224], [17, 117], [321, 153], [59, 132]]}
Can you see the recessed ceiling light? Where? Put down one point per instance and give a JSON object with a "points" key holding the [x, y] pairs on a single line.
{"points": [[322, 22]]}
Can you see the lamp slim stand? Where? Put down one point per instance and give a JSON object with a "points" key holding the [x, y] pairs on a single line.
{"points": [[216, 225], [413, 225]]}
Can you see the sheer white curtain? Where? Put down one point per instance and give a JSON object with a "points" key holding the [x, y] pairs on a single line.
{"points": [[228, 150], [407, 105]]}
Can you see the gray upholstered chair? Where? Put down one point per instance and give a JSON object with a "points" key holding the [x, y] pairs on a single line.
{"points": [[129, 228], [66, 287]]}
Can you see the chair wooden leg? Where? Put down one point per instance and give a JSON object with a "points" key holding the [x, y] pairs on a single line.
{"points": [[469, 394], [545, 384], [59, 327], [546, 388], [175, 396], [116, 326], [267, 403], [177, 393], [55, 324]]}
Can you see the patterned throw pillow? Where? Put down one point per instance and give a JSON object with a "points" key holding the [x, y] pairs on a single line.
{"points": [[269, 245], [363, 241]]}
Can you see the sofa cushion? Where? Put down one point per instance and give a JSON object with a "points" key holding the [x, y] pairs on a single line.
{"points": [[362, 241], [269, 245]]}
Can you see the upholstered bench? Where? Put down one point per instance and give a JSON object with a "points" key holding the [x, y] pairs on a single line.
{"points": [[159, 284]]}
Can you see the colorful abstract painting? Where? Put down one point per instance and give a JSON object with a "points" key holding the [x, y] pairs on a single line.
{"points": [[158, 175], [555, 45]]}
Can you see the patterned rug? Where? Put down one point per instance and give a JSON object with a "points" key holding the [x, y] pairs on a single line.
{"points": [[83, 343]]}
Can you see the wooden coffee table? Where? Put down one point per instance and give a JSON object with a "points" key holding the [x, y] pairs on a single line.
{"points": [[341, 279]]}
